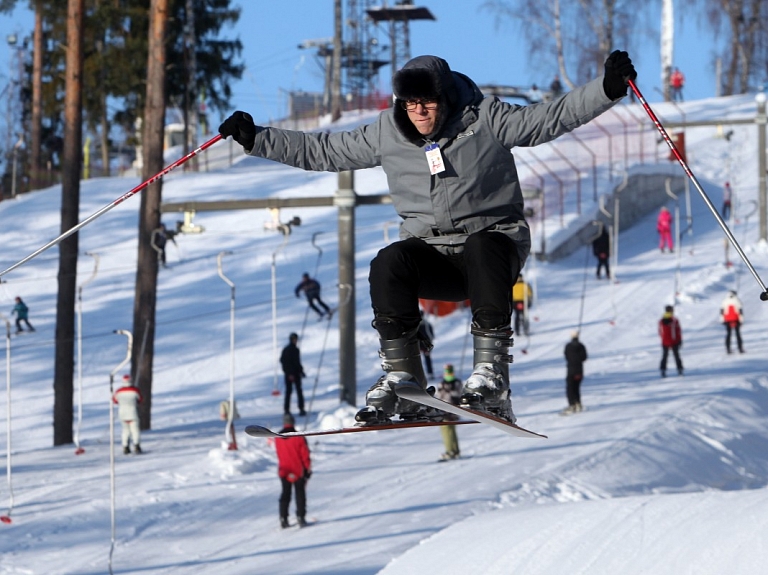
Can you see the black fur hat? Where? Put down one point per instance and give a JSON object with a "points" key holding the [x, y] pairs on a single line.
{"points": [[424, 78]]}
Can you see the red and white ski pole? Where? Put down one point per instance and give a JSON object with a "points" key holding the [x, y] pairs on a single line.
{"points": [[117, 202], [689, 173]]}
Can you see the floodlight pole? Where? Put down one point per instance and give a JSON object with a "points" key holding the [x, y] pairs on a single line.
{"points": [[229, 432]]}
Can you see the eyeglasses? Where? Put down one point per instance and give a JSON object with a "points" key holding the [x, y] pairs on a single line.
{"points": [[410, 105]]}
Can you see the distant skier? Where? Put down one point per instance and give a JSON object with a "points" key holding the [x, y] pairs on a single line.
{"points": [[731, 314], [727, 194], [290, 359], [22, 315], [671, 336], [601, 247], [426, 335], [534, 95], [575, 356], [311, 289], [556, 87], [449, 390], [676, 83], [128, 398], [522, 300], [664, 227], [294, 467], [160, 238]]}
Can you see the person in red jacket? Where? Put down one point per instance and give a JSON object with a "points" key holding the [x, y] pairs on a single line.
{"points": [[671, 338], [730, 311], [294, 468]]}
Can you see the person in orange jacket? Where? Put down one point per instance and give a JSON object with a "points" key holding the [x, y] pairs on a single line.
{"points": [[732, 317], [294, 467]]}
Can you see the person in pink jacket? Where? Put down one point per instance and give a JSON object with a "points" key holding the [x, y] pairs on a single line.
{"points": [[664, 227]]}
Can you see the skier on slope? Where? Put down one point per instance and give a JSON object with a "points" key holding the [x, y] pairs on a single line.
{"points": [[671, 335], [311, 289], [575, 356], [664, 227], [127, 398], [294, 467], [601, 247], [445, 149], [732, 317]]}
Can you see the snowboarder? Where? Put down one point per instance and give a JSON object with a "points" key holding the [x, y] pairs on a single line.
{"points": [[601, 247], [522, 300], [311, 289], [671, 338], [664, 227], [575, 356], [290, 359], [160, 238], [727, 194], [128, 398], [676, 82], [426, 335], [449, 390], [294, 467], [731, 314], [22, 315], [443, 140]]}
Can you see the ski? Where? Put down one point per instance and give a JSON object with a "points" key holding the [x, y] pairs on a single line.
{"points": [[424, 398], [260, 431]]}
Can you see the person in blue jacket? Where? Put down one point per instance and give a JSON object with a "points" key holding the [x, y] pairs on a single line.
{"points": [[22, 315]]}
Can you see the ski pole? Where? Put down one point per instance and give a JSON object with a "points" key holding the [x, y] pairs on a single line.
{"points": [[116, 202], [692, 178]]}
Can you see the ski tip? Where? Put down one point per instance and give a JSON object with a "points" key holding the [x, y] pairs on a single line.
{"points": [[5, 519], [259, 431]]}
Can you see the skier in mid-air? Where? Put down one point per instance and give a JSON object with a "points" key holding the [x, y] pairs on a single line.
{"points": [[445, 149]]}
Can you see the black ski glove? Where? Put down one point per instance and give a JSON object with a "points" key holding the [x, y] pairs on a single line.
{"points": [[618, 67], [242, 129]]}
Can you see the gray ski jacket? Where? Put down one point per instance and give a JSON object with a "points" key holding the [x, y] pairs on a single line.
{"points": [[479, 189]]}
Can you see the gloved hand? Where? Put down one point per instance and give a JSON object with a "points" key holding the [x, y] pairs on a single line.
{"points": [[242, 129], [618, 67], [307, 474]]}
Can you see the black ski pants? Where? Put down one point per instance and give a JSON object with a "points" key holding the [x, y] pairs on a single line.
{"points": [[603, 263], [292, 381], [410, 269], [316, 299], [301, 497], [729, 328], [573, 388], [676, 352]]}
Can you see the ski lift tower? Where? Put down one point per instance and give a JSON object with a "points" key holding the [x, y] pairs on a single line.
{"points": [[399, 17]]}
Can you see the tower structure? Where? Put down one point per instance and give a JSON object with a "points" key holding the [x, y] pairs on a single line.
{"points": [[397, 19]]}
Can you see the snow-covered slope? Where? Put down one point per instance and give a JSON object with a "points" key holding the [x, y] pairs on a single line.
{"points": [[656, 476]]}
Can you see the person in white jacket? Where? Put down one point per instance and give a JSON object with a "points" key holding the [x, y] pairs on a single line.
{"points": [[732, 318], [128, 398]]}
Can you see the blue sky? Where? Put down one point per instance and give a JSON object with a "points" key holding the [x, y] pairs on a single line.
{"points": [[463, 34]]}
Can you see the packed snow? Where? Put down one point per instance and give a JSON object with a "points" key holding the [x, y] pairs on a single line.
{"points": [[662, 476]]}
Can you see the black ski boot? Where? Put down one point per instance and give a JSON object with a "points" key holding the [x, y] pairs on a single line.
{"points": [[487, 389], [401, 360]]}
